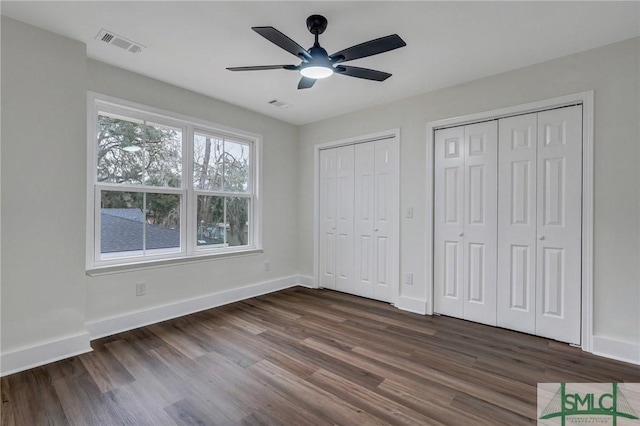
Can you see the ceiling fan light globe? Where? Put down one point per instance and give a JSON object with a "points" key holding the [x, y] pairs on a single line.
{"points": [[316, 72]]}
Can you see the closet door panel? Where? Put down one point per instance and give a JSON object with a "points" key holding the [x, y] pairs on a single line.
{"points": [[480, 222], [328, 222], [344, 218], [559, 225], [517, 223], [386, 201], [449, 221], [364, 195]]}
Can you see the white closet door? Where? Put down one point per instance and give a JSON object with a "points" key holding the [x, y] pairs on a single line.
{"points": [[386, 202], [364, 264], [328, 189], [359, 199], [449, 221], [517, 223], [558, 275], [480, 222], [344, 218]]}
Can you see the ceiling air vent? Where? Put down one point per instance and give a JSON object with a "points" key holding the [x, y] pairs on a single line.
{"points": [[119, 41], [279, 104]]}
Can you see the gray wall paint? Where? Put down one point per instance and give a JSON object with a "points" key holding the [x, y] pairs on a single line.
{"points": [[613, 72], [43, 185]]}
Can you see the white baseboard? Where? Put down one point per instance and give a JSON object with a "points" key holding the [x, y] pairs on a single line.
{"points": [[44, 353], [306, 281], [616, 349], [120, 323], [417, 306]]}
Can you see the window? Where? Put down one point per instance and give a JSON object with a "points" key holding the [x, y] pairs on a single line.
{"points": [[167, 187], [221, 177]]}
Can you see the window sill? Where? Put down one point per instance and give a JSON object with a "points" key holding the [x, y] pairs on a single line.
{"points": [[161, 263]]}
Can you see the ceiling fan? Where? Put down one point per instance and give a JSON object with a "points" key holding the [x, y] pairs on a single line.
{"points": [[316, 63]]}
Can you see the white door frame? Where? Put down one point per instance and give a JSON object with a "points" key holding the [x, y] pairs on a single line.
{"points": [[387, 134], [586, 100]]}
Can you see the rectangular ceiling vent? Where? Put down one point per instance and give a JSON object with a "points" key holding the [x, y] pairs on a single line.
{"points": [[110, 37], [279, 104]]}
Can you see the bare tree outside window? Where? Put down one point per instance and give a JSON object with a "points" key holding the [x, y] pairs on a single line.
{"points": [[221, 167]]}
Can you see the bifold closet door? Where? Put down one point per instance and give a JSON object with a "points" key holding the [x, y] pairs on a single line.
{"points": [[386, 207], [480, 222], [448, 262], [376, 214], [517, 221], [465, 237], [336, 218], [344, 218], [364, 246], [328, 222], [540, 209], [559, 224]]}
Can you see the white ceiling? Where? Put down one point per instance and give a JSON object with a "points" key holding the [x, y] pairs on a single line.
{"points": [[189, 44]]}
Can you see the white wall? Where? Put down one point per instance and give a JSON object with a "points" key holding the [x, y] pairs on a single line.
{"points": [[43, 189], [613, 72], [46, 295]]}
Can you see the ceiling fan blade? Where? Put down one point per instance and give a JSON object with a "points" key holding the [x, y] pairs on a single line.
{"points": [[368, 48], [262, 68], [365, 73], [282, 41], [306, 83]]}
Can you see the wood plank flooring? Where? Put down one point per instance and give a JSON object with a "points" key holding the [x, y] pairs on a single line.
{"points": [[303, 357]]}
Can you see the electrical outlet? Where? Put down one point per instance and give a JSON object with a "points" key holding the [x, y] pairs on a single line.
{"points": [[141, 289], [408, 278], [267, 266]]}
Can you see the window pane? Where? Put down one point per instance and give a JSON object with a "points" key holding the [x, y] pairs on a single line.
{"points": [[136, 223], [121, 223], [162, 233], [220, 165], [131, 152], [236, 166], [120, 155], [212, 228], [237, 215], [223, 221], [207, 162], [163, 155]]}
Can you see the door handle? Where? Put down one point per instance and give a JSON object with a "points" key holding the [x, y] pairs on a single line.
{"points": [[375, 230], [541, 237], [460, 234]]}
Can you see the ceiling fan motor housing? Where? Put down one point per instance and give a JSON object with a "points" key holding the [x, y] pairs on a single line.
{"points": [[318, 54]]}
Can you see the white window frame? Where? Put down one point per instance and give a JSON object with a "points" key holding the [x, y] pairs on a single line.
{"points": [[189, 250]]}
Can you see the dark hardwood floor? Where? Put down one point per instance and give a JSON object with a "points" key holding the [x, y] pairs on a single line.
{"points": [[303, 357]]}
